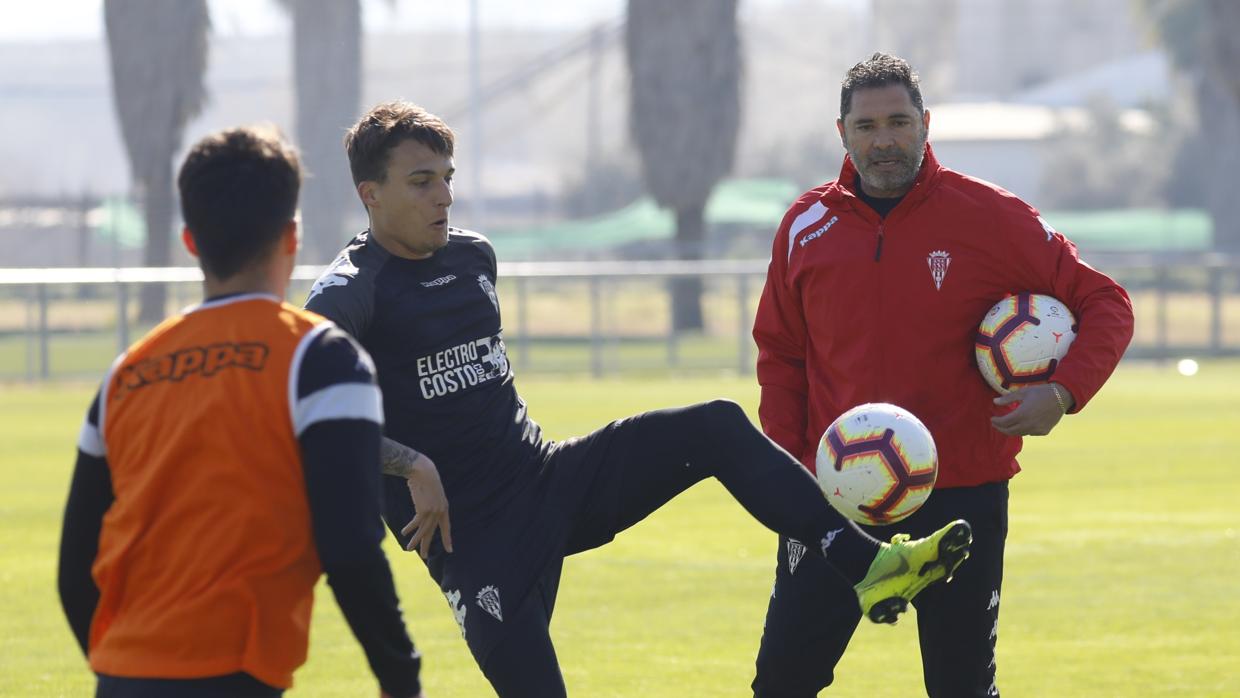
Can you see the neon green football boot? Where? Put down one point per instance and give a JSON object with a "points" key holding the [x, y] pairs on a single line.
{"points": [[904, 567]]}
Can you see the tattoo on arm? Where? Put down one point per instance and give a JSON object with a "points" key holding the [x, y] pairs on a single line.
{"points": [[396, 458]]}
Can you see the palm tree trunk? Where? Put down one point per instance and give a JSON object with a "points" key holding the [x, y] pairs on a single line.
{"points": [[157, 209], [687, 290], [684, 114], [1220, 123], [1225, 15], [158, 55], [1218, 107], [327, 56]]}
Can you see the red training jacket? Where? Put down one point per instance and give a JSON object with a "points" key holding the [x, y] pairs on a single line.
{"points": [[860, 309]]}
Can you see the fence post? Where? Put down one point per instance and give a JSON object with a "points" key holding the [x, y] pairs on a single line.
{"points": [[742, 323], [30, 336], [44, 359], [523, 317], [673, 337], [1160, 318], [612, 340], [122, 316], [1216, 310], [596, 327]]}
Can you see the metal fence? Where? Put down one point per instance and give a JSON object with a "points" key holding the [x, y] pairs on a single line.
{"points": [[597, 318]]}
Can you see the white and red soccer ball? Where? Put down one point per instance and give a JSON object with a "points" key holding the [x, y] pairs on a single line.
{"points": [[1022, 339], [877, 463]]}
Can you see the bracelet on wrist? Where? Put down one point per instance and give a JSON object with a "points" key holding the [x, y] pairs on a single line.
{"points": [[1058, 390]]}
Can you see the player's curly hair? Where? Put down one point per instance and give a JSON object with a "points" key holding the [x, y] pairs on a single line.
{"points": [[880, 70], [239, 190], [370, 141]]}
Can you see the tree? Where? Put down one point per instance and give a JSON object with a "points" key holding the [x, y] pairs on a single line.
{"points": [[1092, 168], [158, 53], [327, 59], [1222, 84], [1201, 37], [1225, 45], [685, 64], [924, 34]]}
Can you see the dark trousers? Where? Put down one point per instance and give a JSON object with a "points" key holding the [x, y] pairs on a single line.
{"points": [[239, 685], [617, 476], [813, 611]]}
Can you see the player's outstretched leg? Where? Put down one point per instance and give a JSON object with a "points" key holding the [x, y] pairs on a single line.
{"points": [[661, 453], [904, 567]]}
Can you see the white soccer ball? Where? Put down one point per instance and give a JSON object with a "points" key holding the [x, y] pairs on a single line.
{"points": [[1022, 339], [877, 463]]}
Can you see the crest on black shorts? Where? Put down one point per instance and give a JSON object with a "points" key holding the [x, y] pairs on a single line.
{"points": [[488, 599], [796, 551]]}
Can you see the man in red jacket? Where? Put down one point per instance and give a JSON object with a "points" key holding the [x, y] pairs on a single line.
{"points": [[877, 283]]}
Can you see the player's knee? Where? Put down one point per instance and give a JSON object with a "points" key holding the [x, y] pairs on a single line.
{"points": [[711, 430], [722, 413]]}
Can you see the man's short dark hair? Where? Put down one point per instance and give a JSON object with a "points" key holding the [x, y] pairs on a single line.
{"points": [[371, 140], [880, 70], [239, 190]]}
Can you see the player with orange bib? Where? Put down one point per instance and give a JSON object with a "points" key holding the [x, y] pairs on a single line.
{"points": [[230, 457]]}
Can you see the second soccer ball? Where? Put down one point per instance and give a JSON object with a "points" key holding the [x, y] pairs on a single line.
{"points": [[1021, 340], [877, 463]]}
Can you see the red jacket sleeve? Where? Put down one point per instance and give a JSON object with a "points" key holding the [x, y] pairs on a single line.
{"points": [[1102, 308], [779, 330]]}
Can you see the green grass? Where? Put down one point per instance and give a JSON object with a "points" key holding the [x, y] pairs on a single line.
{"points": [[1122, 564]]}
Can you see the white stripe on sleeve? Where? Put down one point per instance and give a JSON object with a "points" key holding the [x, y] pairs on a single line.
{"points": [[808, 217], [90, 441], [339, 401]]}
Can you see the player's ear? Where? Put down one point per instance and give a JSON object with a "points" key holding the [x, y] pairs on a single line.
{"points": [[290, 239], [925, 119], [366, 190], [187, 239], [839, 126]]}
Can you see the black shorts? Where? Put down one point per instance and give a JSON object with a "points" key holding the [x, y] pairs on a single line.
{"points": [[239, 685], [514, 556], [813, 611], [577, 494]]}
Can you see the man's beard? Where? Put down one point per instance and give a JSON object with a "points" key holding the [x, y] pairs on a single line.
{"points": [[901, 177]]}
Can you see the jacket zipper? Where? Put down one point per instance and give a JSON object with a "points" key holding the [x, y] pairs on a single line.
{"points": [[881, 299]]}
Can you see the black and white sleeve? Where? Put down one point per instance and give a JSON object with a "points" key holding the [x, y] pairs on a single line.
{"points": [[90, 496], [338, 417]]}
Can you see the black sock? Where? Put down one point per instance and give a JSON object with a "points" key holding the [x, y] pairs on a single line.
{"points": [[851, 555]]}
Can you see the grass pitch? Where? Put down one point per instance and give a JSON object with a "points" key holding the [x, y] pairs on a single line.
{"points": [[1122, 561]]}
